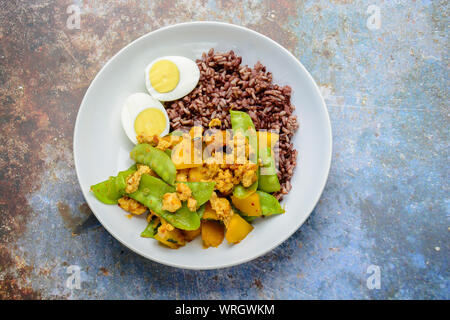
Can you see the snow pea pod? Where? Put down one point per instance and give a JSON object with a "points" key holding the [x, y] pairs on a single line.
{"points": [[201, 191], [201, 211], [241, 122], [150, 193], [156, 159], [268, 180], [242, 192], [183, 218], [247, 218], [113, 189], [152, 228], [269, 204]]}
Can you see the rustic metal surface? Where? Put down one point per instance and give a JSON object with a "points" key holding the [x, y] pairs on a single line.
{"points": [[386, 202]]}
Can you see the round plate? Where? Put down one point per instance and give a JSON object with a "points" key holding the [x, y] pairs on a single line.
{"points": [[101, 148]]}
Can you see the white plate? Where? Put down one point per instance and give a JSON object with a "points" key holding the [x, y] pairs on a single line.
{"points": [[101, 148]]}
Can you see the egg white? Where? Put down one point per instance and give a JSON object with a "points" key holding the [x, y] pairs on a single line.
{"points": [[189, 76], [135, 104]]}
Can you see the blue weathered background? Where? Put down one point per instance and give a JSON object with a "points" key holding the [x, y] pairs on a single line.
{"points": [[384, 78]]}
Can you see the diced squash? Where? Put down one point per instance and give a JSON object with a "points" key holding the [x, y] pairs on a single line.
{"points": [[173, 140], [173, 239], [190, 235], [271, 138], [196, 131], [250, 205], [196, 174], [212, 233], [209, 213], [237, 229], [185, 156]]}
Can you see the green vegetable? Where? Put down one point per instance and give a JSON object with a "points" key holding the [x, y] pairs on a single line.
{"points": [[183, 218], [241, 122], [243, 215], [242, 192], [150, 193], [248, 218], [201, 191], [268, 180], [152, 228], [201, 211], [269, 204], [113, 189], [168, 152], [157, 160], [177, 133]]}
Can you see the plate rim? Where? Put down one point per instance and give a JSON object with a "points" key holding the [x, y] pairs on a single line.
{"points": [[244, 259]]}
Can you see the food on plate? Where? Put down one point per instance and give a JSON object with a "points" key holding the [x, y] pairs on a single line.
{"points": [[143, 115], [213, 178], [268, 180], [156, 159], [225, 83], [171, 78], [212, 233]]}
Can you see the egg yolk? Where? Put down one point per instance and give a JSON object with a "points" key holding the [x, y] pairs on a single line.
{"points": [[164, 76], [150, 121]]}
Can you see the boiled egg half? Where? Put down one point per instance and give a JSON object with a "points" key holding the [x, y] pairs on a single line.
{"points": [[171, 77], [142, 114]]}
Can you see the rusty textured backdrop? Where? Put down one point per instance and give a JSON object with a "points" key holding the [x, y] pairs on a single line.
{"points": [[386, 202]]}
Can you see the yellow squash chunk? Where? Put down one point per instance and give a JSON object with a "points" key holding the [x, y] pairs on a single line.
{"points": [[183, 155], [190, 235], [209, 213], [173, 140], [173, 239], [212, 233], [250, 205], [237, 229], [196, 174], [271, 138], [196, 132]]}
